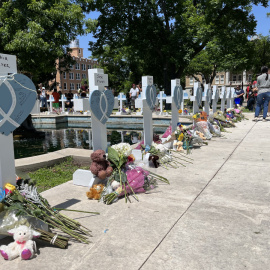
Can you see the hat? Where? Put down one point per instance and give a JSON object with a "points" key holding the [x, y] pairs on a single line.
{"points": [[43, 88]]}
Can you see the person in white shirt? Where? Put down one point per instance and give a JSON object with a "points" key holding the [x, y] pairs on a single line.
{"points": [[42, 95], [133, 93]]}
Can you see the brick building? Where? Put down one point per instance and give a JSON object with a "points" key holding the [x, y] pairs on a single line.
{"points": [[225, 79], [73, 79]]}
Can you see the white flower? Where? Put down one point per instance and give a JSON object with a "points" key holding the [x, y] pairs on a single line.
{"points": [[123, 149], [115, 185]]}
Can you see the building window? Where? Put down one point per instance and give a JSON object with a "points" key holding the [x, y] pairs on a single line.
{"points": [[191, 81], [79, 50], [88, 66], [217, 79], [77, 66], [71, 76], [234, 78], [64, 75], [221, 79], [239, 77], [65, 86], [83, 76], [78, 86], [83, 67], [71, 66], [72, 86], [78, 76]]}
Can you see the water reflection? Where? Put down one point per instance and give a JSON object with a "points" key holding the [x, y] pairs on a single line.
{"points": [[73, 138]]}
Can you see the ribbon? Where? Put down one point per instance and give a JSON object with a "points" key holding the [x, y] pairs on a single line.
{"points": [[6, 116], [21, 244], [152, 97], [106, 107]]}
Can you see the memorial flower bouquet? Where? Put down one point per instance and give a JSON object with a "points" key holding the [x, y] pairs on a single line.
{"points": [[25, 200], [221, 121], [127, 179]]}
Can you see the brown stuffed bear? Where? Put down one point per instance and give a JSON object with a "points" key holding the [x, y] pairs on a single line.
{"points": [[100, 166], [95, 192]]}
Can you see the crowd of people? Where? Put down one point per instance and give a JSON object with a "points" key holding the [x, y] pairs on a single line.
{"points": [[44, 95]]}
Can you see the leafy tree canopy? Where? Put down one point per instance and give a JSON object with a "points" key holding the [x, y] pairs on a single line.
{"points": [[167, 35], [38, 31]]}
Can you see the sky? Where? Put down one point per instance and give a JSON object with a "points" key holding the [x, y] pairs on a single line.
{"points": [[263, 27]]}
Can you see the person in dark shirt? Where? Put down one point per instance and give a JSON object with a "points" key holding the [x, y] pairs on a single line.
{"points": [[240, 94]]}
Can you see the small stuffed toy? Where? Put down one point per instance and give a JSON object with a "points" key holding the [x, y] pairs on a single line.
{"points": [[23, 246], [100, 166], [178, 146], [95, 192]]}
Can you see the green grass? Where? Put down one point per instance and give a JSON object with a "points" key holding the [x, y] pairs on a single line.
{"points": [[50, 177]]}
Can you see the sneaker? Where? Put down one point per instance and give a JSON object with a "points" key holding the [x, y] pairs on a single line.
{"points": [[256, 119], [264, 120]]}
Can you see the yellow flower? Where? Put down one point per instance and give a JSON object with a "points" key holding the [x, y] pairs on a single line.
{"points": [[164, 111], [10, 187], [181, 137], [180, 111]]}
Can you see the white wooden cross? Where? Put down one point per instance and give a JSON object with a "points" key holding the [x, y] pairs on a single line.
{"points": [[63, 101], [229, 103], [147, 81], [197, 97], [161, 96], [8, 65], [175, 111], [223, 95], [98, 80], [139, 104], [121, 97], [50, 101], [215, 98], [207, 96]]}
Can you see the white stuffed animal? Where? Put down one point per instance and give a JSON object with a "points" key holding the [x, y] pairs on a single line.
{"points": [[23, 246]]}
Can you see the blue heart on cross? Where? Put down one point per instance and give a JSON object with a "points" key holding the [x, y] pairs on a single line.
{"points": [[208, 95], [199, 95], [216, 95], [151, 95], [18, 97], [101, 104], [178, 96]]}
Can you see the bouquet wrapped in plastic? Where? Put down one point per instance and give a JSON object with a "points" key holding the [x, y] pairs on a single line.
{"points": [[202, 126]]}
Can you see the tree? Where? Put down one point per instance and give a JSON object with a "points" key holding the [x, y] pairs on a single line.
{"points": [[218, 57], [122, 66], [259, 54], [167, 35], [38, 32]]}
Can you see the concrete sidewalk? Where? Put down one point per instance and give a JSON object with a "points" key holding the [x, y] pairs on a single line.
{"points": [[214, 215]]}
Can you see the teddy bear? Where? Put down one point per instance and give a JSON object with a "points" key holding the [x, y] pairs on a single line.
{"points": [[178, 146], [23, 246], [95, 192], [100, 166]]}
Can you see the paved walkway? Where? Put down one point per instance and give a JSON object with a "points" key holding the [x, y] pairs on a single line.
{"points": [[214, 215]]}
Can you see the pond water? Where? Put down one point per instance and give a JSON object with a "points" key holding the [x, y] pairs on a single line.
{"points": [[69, 138]]}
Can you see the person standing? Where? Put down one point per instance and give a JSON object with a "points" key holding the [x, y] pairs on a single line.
{"points": [[240, 94], [263, 97], [43, 97], [133, 93], [56, 97]]}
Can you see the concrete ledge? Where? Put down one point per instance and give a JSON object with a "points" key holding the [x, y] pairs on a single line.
{"points": [[50, 159]]}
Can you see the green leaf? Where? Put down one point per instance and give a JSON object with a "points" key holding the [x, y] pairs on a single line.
{"points": [[122, 161], [113, 156]]}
